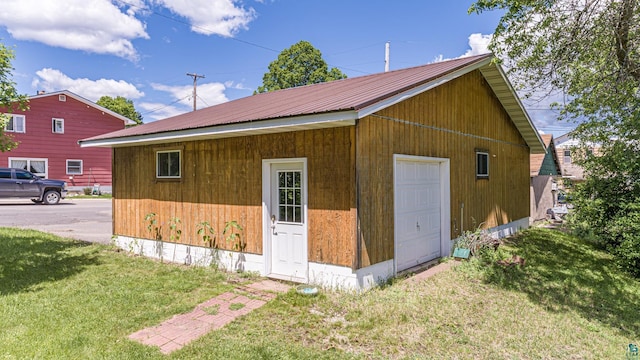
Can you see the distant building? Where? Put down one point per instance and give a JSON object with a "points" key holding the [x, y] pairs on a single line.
{"points": [[544, 172], [566, 154], [48, 134]]}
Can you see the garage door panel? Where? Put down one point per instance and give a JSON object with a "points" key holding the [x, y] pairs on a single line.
{"points": [[418, 213]]}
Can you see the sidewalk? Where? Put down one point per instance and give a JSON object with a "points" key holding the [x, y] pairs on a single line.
{"points": [[212, 314]]}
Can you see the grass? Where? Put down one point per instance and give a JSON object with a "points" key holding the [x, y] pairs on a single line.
{"points": [[83, 196], [63, 299]]}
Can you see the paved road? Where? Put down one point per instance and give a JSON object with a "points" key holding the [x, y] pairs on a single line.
{"points": [[81, 219]]}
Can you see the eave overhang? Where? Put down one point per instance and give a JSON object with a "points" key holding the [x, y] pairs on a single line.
{"points": [[273, 126]]}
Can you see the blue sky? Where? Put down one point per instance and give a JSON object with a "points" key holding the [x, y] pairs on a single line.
{"points": [[143, 49]]}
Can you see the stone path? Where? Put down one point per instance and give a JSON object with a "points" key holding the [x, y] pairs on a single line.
{"points": [[212, 314]]}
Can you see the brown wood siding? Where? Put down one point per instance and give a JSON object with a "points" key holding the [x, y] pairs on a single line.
{"points": [[450, 121], [222, 181]]}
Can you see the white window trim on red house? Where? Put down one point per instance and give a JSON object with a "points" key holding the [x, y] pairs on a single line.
{"points": [[57, 126], [12, 120], [28, 161], [79, 167]]}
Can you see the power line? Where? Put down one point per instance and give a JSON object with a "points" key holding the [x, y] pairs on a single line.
{"points": [[232, 38], [195, 26], [164, 106]]}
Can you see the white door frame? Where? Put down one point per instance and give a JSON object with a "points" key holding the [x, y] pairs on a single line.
{"points": [[445, 202], [266, 211]]}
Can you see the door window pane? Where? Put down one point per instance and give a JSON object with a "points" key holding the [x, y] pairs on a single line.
{"points": [[290, 196]]}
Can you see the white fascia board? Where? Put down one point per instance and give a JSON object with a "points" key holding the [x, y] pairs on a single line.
{"points": [[537, 147], [319, 121], [420, 89]]}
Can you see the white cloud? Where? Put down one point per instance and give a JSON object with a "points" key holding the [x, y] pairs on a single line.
{"points": [[51, 80], [235, 85], [209, 94], [479, 44], [96, 26], [109, 26], [221, 17]]}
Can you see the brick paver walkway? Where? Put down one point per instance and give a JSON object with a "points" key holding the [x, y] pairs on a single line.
{"points": [[181, 329]]}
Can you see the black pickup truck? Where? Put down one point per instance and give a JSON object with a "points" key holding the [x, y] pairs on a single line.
{"points": [[19, 183]]}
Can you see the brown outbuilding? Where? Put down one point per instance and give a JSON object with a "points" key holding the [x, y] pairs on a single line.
{"points": [[343, 184]]}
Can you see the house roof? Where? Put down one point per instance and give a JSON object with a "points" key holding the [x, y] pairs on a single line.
{"points": [[535, 160], [68, 93], [330, 104]]}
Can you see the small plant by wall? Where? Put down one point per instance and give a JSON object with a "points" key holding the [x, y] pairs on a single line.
{"points": [[175, 233], [232, 233], [207, 233], [155, 233]]}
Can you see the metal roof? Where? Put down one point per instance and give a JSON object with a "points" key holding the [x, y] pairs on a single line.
{"points": [[330, 104]]}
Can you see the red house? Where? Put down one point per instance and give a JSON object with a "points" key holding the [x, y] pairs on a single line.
{"points": [[48, 134]]}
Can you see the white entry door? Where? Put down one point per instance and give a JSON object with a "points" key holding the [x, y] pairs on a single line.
{"points": [[417, 212], [288, 228]]}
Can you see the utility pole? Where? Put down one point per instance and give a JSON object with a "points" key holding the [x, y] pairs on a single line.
{"points": [[195, 80]]}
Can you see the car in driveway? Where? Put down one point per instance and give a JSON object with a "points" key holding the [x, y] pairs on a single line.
{"points": [[19, 183]]}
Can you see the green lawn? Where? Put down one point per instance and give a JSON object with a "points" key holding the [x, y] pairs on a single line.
{"points": [[65, 299]]}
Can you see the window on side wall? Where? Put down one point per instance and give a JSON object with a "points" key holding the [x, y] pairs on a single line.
{"points": [[168, 164], [57, 126], [36, 166], [482, 164], [74, 167], [567, 156], [15, 123]]}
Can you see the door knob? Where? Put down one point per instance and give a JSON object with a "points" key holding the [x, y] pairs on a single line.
{"points": [[273, 224]]}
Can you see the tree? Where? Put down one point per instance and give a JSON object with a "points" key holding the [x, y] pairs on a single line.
{"points": [[10, 100], [590, 51], [299, 65], [121, 106]]}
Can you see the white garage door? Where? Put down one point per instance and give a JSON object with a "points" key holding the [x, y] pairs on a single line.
{"points": [[417, 218]]}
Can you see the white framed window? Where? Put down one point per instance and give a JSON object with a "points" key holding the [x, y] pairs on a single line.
{"points": [[57, 126], [168, 164], [62, 97], [567, 156], [36, 166], [74, 167], [482, 165], [15, 123]]}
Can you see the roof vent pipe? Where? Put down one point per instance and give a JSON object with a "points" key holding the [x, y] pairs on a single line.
{"points": [[386, 57]]}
